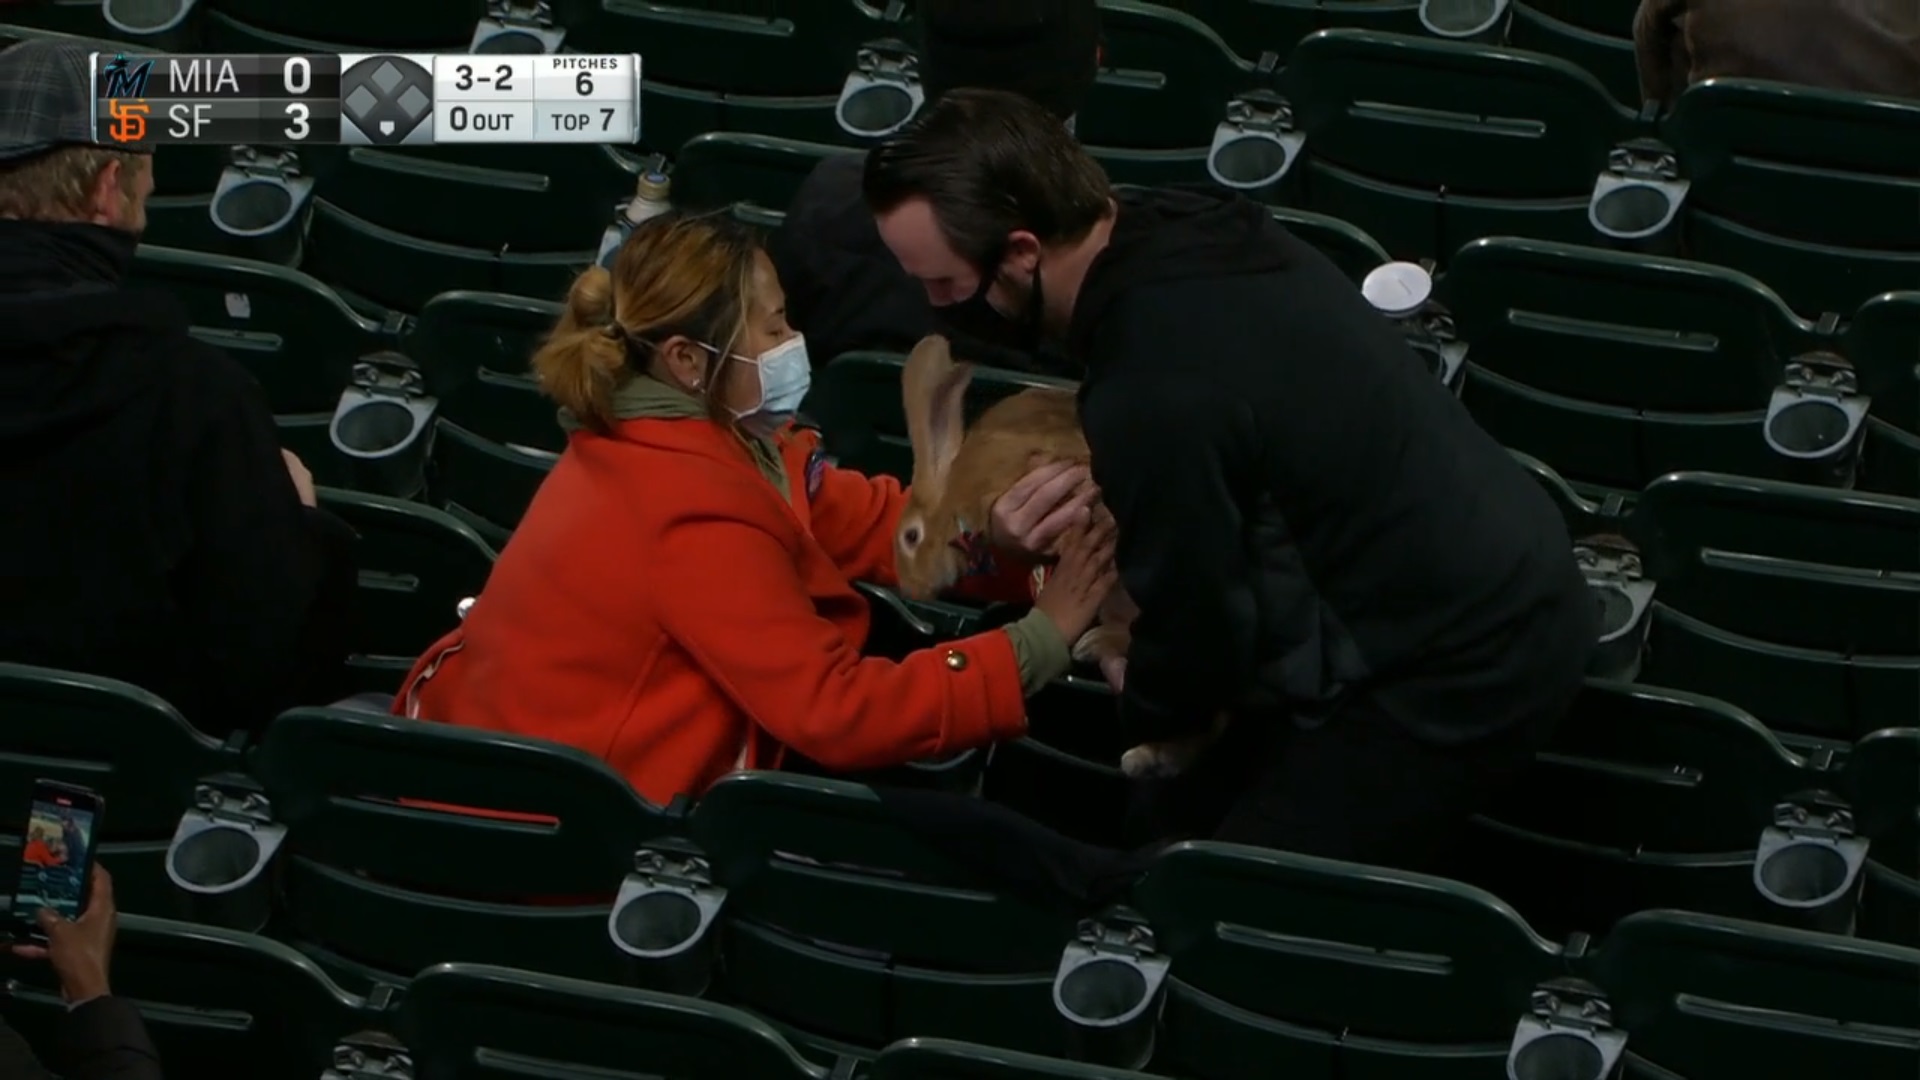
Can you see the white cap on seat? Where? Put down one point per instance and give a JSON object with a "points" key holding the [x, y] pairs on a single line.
{"points": [[1397, 289]]}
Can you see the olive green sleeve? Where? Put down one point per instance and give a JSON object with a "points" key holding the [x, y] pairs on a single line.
{"points": [[1041, 652]]}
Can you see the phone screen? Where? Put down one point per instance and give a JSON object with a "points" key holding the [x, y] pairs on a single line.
{"points": [[57, 854]]}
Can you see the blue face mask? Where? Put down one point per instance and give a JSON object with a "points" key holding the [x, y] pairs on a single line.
{"points": [[785, 378]]}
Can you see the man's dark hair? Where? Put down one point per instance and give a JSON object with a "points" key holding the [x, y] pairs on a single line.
{"points": [[991, 163]]}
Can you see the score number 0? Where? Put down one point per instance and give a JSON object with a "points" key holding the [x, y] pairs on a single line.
{"points": [[297, 77], [583, 85]]}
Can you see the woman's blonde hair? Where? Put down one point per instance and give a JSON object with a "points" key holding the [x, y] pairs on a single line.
{"points": [[677, 274]]}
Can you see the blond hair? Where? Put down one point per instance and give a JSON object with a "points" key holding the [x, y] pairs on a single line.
{"points": [[58, 184], [678, 274]]}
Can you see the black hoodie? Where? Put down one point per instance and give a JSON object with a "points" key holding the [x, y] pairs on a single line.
{"points": [[152, 532], [1305, 513]]}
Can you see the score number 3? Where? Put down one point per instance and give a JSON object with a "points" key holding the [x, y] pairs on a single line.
{"points": [[298, 77]]}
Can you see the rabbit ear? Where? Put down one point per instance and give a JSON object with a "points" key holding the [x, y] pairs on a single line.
{"points": [[933, 388]]}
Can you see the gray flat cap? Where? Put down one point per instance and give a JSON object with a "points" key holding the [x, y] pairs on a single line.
{"points": [[46, 96]]}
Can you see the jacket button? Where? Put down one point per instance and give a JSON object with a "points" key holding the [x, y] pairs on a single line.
{"points": [[956, 661]]}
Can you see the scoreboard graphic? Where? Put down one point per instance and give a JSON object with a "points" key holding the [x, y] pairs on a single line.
{"points": [[364, 99]]}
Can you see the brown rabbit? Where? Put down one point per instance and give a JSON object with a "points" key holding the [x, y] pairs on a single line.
{"points": [[960, 472]]}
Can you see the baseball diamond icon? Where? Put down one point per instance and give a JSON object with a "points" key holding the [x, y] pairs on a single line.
{"points": [[386, 97]]}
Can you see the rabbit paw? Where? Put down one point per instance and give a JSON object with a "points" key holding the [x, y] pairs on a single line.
{"points": [[1099, 643], [1150, 760]]}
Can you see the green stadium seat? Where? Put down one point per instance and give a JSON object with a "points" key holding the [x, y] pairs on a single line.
{"points": [[1285, 965], [416, 565], [1585, 33], [1810, 191], [444, 27], [217, 1003], [856, 402], [1882, 341], [1165, 81], [379, 878], [943, 1059], [1617, 368], [1643, 798], [1796, 602], [291, 332], [119, 740], [477, 350], [486, 484], [774, 49], [670, 115], [1255, 29], [1585, 517], [473, 1022], [846, 927], [1349, 246], [1882, 784], [378, 268], [1701, 996], [1387, 16], [1435, 143], [720, 169]]}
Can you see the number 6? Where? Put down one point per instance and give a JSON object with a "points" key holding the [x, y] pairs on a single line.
{"points": [[584, 84]]}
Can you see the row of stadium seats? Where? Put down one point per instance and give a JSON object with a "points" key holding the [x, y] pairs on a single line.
{"points": [[800, 899]]}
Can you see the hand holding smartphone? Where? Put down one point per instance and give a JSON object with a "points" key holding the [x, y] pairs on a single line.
{"points": [[56, 856]]}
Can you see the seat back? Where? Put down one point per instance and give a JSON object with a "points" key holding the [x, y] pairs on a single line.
{"points": [[827, 889], [762, 171], [416, 565], [1366, 953], [1787, 563], [1255, 29], [445, 28], [476, 349], [291, 332], [117, 739], [1882, 782], [386, 870], [486, 484], [473, 1022], [1584, 517], [1822, 166], [1348, 245], [1165, 80], [773, 47], [1611, 327], [944, 1059], [1702, 996], [492, 198], [216, 1002], [1882, 341], [1472, 119], [856, 400]]}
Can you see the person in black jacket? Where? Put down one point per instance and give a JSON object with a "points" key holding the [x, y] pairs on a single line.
{"points": [[102, 1037], [844, 291], [155, 530], [1312, 526]]}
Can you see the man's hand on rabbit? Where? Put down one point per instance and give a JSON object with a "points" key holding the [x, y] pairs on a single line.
{"points": [[1039, 509]]}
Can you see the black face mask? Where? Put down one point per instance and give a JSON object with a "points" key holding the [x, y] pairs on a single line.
{"points": [[976, 320]]}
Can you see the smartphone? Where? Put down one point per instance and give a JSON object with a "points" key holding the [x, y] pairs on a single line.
{"points": [[56, 855]]}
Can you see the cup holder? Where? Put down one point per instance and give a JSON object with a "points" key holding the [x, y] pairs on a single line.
{"points": [[1636, 212], [146, 18], [1567, 1035], [1108, 989], [662, 919], [871, 109], [881, 93], [1466, 20], [1809, 862], [383, 426], [1624, 597], [1816, 419], [260, 201], [219, 856], [1255, 146]]}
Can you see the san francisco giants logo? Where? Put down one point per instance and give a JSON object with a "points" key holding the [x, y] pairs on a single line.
{"points": [[129, 120]]}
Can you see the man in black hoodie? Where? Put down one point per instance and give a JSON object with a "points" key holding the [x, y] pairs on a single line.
{"points": [[844, 290], [1317, 535], [155, 531]]}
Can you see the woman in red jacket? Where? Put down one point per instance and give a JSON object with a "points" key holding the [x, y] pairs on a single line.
{"points": [[677, 598]]}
